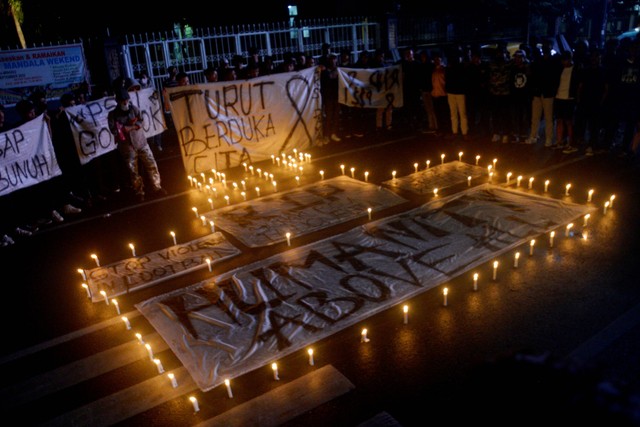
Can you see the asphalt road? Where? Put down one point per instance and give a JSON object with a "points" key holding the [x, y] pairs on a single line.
{"points": [[556, 339]]}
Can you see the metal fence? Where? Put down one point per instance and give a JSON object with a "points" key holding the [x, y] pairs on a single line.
{"points": [[194, 52]]}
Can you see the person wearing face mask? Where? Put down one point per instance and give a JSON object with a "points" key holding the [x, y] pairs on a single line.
{"points": [[125, 123]]}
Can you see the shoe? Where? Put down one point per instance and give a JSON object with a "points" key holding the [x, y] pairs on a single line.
{"points": [[588, 151], [6, 241], [56, 216], [531, 140], [569, 149], [548, 144], [358, 134], [505, 139], [22, 232], [495, 138], [69, 209], [335, 137]]}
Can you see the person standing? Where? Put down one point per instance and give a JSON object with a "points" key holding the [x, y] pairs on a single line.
{"points": [[565, 104], [125, 123], [455, 86], [520, 95]]}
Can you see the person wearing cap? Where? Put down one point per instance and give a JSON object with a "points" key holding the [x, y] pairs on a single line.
{"points": [[125, 123]]}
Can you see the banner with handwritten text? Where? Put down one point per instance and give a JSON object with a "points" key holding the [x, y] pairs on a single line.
{"points": [[245, 319], [26, 156], [221, 125], [370, 87]]}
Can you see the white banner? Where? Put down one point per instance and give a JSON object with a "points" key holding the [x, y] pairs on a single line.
{"points": [[371, 87], [440, 176], [221, 125], [149, 269], [265, 221], [249, 317], [26, 156], [91, 131]]}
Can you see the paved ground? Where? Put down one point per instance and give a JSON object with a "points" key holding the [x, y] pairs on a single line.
{"points": [[557, 338]]}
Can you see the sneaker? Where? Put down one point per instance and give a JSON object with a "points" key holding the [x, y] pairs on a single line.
{"points": [[70, 209], [495, 138], [588, 151], [55, 215], [6, 241], [531, 140], [505, 139], [22, 232], [569, 149], [335, 137], [548, 144]]}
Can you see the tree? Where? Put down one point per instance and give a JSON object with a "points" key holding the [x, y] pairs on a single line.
{"points": [[13, 8]]}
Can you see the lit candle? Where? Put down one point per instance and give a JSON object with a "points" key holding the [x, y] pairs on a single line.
{"points": [[393, 174], [244, 195], [195, 211], [435, 191], [274, 368], [519, 179], [460, 156], [369, 212], [475, 281], [208, 260], [509, 177], [469, 181], [258, 191], [589, 195], [139, 336], [173, 236], [353, 172], [366, 176], [133, 249], [551, 236], [245, 165], [172, 378], [611, 199], [546, 186], [288, 236], [363, 336], [531, 245], [149, 351], [190, 180], [568, 229], [489, 168], [342, 169], [405, 311], [210, 200], [297, 180], [244, 185], [445, 292], [203, 219], [566, 191], [477, 159], [227, 383], [585, 234], [116, 305], [490, 176], [442, 158], [586, 219], [213, 226], [310, 352], [126, 322], [515, 260], [226, 197], [606, 205], [428, 163], [95, 258], [321, 174], [251, 169], [494, 163], [415, 167], [86, 288], [194, 402], [159, 365], [273, 159], [104, 295], [495, 270], [530, 183], [82, 273]]}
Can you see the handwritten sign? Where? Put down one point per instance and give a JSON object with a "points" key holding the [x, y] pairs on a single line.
{"points": [[221, 125], [371, 87], [248, 317], [89, 122], [439, 176], [137, 273], [26, 156]]}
